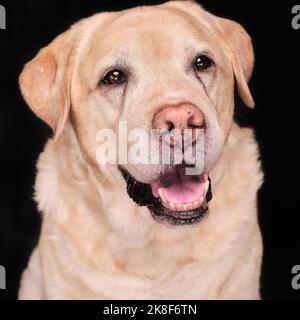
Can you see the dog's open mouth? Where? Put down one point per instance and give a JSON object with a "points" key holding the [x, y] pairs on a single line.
{"points": [[175, 198]]}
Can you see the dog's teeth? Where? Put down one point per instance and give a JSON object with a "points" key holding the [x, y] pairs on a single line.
{"points": [[161, 195], [180, 206], [206, 187], [174, 206]]}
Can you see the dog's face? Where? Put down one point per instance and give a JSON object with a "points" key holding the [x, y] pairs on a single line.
{"points": [[166, 67]]}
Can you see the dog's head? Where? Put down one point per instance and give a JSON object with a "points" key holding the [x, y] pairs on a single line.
{"points": [[168, 67]]}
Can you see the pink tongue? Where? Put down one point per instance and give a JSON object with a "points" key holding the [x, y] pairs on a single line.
{"points": [[180, 188]]}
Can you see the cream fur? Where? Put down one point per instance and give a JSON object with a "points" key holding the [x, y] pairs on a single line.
{"points": [[95, 242]]}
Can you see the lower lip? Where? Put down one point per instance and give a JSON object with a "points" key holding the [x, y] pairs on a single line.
{"points": [[180, 219]]}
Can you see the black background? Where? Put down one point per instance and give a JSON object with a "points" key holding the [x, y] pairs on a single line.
{"points": [[275, 86]]}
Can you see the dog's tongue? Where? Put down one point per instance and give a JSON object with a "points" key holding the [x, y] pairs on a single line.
{"points": [[178, 188]]}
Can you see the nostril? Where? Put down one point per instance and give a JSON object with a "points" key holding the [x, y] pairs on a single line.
{"points": [[195, 125], [196, 121], [170, 125]]}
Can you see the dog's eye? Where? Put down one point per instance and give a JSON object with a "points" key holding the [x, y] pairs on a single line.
{"points": [[202, 63], [114, 77]]}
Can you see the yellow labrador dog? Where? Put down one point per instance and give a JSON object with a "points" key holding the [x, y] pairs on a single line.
{"points": [[136, 230]]}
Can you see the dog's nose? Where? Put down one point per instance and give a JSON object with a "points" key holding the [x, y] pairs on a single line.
{"points": [[183, 116]]}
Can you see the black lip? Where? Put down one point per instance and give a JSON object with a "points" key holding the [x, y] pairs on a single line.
{"points": [[183, 218], [141, 194]]}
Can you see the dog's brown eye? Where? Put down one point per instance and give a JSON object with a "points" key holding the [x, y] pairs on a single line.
{"points": [[202, 63], [114, 77]]}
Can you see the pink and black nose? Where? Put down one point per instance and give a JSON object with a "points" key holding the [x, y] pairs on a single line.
{"points": [[182, 116]]}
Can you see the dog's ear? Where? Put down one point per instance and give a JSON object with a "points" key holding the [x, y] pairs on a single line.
{"points": [[242, 56], [45, 81]]}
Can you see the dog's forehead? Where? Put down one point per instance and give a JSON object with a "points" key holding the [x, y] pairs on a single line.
{"points": [[145, 27], [149, 17]]}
